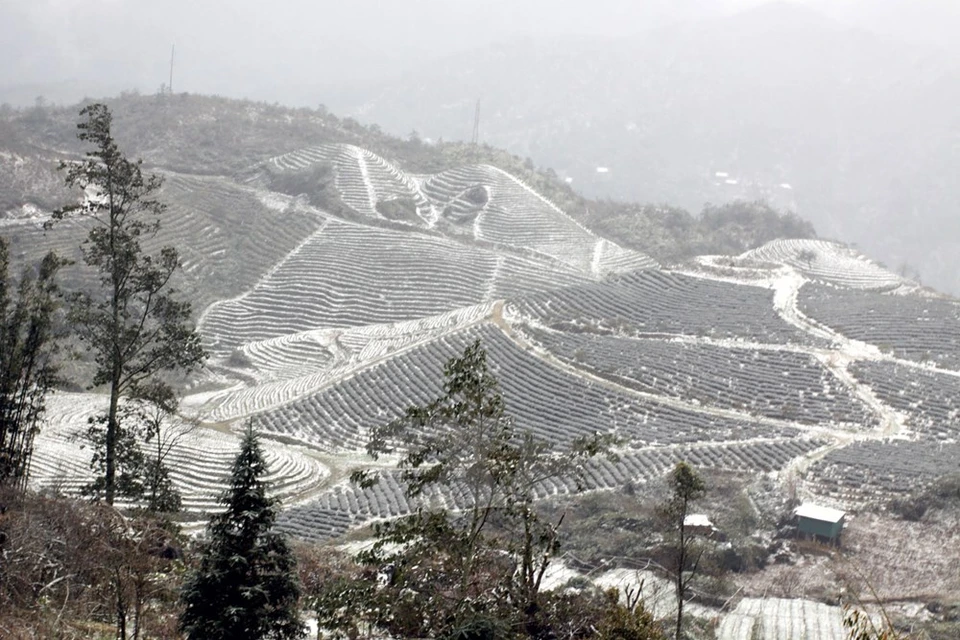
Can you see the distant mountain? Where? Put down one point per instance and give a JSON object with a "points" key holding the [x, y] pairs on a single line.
{"points": [[853, 130]]}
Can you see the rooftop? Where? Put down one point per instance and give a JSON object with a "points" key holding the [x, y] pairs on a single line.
{"points": [[697, 520], [816, 512]]}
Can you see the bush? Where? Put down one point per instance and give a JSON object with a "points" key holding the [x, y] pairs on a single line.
{"points": [[941, 494]]}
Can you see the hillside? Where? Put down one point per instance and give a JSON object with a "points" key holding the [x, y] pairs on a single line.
{"points": [[254, 144], [332, 282], [851, 129]]}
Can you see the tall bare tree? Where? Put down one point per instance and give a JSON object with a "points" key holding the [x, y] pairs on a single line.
{"points": [[134, 325]]}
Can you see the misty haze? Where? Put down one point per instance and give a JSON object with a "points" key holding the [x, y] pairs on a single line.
{"points": [[523, 300]]}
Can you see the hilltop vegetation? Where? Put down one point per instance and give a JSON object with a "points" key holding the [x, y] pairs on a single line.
{"points": [[212, 136]]}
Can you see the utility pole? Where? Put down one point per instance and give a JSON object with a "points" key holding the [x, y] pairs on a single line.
{"points": [[476, 125], [170, 86]]}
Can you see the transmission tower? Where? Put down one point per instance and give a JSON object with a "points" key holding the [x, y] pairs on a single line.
{"points": [[170, 86], [476, 125]]}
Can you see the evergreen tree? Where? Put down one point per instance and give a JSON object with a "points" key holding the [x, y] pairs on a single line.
{"points": [[135, 326], [27, 368], [686, 487], [478, 572], [245, 587]]}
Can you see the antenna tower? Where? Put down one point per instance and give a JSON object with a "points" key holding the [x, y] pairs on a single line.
{"points": [[476, 125], [170, 86]]}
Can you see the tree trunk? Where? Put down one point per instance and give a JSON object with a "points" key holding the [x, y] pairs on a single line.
{"points": [[109, 482], [121, 608]]}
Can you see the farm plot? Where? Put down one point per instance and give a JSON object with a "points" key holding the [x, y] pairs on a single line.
{"points": [[322, 349], [290, 367], [865, 472], [782, 619], [229, 236], [490, 204], [339, 508], [198, 465], [930, 400], [362, 178], [784, 385], [556, 406], [657, 302], [348, 275], [828, 261], [226, 235], [916, 328]]}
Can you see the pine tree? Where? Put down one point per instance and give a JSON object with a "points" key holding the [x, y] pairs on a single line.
{"points": [[135, 326], [245, 587]]}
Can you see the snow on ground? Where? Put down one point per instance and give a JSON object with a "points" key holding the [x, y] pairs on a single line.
{"points": [[828, 261], [782, 619], [290, 369], [199, 461]]}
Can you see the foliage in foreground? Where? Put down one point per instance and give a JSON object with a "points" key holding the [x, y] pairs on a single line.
{"points": [[245, 585], [475, 573], [71, 569], [28, 369]]}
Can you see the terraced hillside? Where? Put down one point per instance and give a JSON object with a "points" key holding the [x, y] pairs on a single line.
{"points": [[326, 317], [830, 262], [199, 462], [324, 325], [480, 202], [296, 299], [348, 275], [332, 283], [228, 235]]}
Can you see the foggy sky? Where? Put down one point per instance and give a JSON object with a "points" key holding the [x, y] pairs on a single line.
{"points": [[295, 51]]}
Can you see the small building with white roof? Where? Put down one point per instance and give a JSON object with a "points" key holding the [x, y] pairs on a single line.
{"points": [[819, 521], [698, 524]]}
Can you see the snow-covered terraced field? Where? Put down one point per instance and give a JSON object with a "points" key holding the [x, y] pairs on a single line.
{"points": [[348, 275], [554, 404], [340, 507], [300, 364], [324, 349], [828, 261], [782, 619], [199, 464], [480, 201], [775, 383], [363, 178], [512, 214], [325, 325], [912, 327], [865, 472], [930, 399], [228, 234], [658, 302]]}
